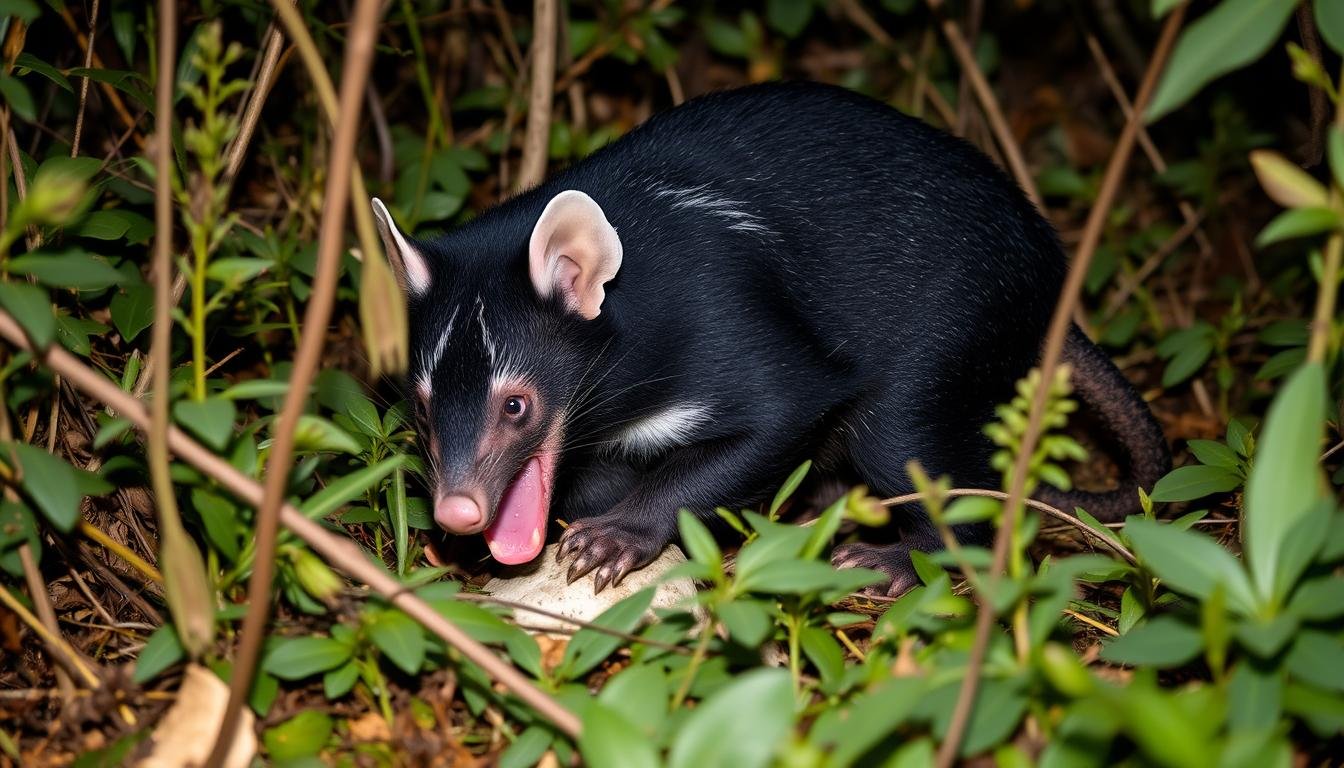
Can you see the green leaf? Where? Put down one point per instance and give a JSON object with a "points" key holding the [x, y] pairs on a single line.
{"points": [[1163, 7], [527, 750], [31, 63], [314, 433], [748, 621], [1319, 599], [114, 224], [52, 484], [741, 726], [609, 740], [1287, 184], [303, 735], [1330, 22], [256, 389], [71, 268], [775, 541], [699, 541], [1315, 658], [294, 658], [24, 9], [235, 271], [796, 577], [641, 693], [824, 652], [1335, 140], [1191, 562], [211, 419], [349, 487], [222, 523], [790, 485], [399, 637], [31, 307], [1186, 362], [1194, 482], [1253, 696], [1233, 34], [1285, 481], [788, 16], [589, 647], [18, 98], [161, 651], [1266, 638], [1163, 642], [339, 681], [1214, 454], [856, 726], [1299, 222], [132, 310]]}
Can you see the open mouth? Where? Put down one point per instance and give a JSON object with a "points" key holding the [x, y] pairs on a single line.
{"points": [[518, 531]]}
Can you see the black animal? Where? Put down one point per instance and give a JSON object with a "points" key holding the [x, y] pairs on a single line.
{"points": [[751, 279]]}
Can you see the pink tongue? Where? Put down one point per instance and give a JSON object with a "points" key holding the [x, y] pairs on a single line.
{"points": [[519, 530]]}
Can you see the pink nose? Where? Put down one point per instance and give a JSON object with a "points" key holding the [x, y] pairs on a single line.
{"points": [[457, 514]]}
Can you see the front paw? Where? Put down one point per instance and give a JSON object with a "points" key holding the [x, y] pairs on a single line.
{"points": [[612, 545], [893, 560]]}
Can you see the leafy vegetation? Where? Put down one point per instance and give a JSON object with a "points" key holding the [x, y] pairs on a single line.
{"points": [[1208, 630]]}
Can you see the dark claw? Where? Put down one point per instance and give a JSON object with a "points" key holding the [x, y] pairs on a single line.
{"points": [[602, 579], [568, 543], [583, 563]]}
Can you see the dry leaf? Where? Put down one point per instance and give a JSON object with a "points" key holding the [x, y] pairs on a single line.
{"points": [[187, 730]]}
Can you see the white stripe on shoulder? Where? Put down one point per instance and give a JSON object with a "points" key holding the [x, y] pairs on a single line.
{"points": [[670, 427]]}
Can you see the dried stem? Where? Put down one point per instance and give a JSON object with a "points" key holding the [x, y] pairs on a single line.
{"points": [[341, 553], [1039, 506], [37, 588], [537, 139], [1059, 326], [84, 81], [255, 101], [1012, 153]]}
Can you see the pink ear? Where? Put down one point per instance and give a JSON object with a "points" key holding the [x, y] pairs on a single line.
{"points": [[574, 250], [409, 264]]}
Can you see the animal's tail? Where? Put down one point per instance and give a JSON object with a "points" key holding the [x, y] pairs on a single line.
{"points": [[1106, 393]]}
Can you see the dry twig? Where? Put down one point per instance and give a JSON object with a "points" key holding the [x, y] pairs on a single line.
{"points": [[536, 140]]}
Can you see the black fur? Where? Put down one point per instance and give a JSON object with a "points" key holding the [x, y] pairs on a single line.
{"points": [[885, 286]]}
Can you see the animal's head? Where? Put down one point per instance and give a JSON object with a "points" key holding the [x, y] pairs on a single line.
{"points": [[501, 315]]}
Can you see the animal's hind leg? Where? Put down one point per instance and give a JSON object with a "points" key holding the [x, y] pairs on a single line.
{"points": [[892, 431]]}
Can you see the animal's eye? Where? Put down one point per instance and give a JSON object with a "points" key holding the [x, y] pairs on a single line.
{"points": [[515, 407]]}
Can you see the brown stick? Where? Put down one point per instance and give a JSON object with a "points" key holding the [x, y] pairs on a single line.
{"points": [[342, 553], [84, 82], [860, 18], [1012, 153], [537, 139], [1145, 141], [255, 101], [1059, 326], [37, 588], [331, 236]]}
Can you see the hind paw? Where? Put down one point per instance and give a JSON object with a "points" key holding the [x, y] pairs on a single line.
{"points": [[611, 546], [893, 560]]}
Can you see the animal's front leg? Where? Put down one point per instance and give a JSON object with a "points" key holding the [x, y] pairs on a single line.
{"points": [[732, 472]]}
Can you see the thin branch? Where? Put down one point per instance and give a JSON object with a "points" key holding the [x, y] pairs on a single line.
{"points": [[59, 648], [537, 139], [261, 88], [860, 18], [1145, 141], [1054, 343], [1040, 506], [342, 553], [84, 82], [41, 596], [1012, 153]]}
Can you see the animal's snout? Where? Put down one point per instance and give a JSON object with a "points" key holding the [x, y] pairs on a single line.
{"points": [[459, 513]]}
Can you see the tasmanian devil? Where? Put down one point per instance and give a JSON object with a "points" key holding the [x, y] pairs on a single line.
{"points": [[757, 277]]}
